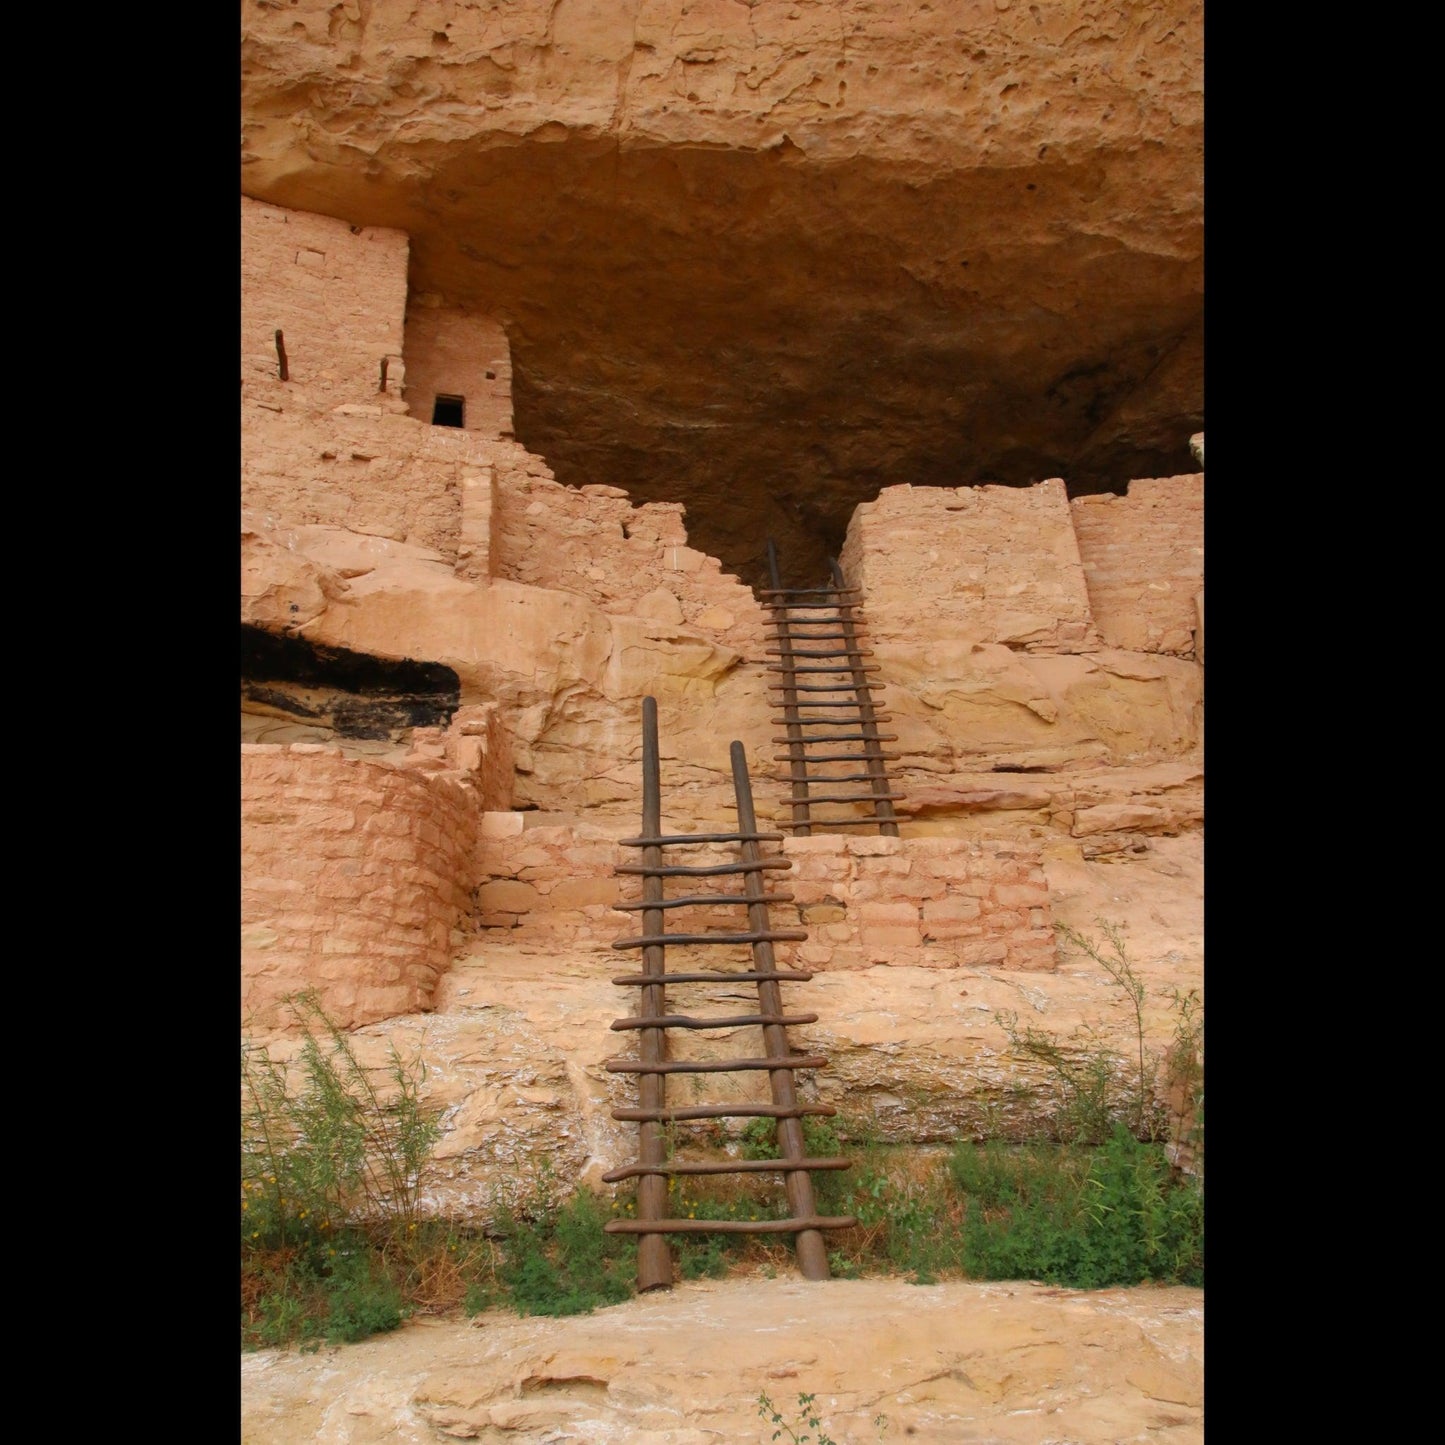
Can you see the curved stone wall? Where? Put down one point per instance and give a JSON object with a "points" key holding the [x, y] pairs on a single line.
{"points": [[354, 875]]}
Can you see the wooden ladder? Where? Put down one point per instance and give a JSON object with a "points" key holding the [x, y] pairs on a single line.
{"points": [[652, 1020], [833, 676]]}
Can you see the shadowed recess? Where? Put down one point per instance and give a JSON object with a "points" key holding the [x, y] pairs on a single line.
{"points": [[772, 340]]}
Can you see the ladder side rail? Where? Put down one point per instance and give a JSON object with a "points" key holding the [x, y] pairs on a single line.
{"points": [[797, 757], [654, 1253], [888, 825], [811, 1251]]}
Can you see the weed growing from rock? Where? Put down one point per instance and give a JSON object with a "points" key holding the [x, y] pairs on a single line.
{"points": [[807, 1420], [1095, 1087], [331, 1173], [327, 1150]]}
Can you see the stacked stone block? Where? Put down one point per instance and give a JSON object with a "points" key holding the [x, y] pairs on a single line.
{"points": [[926, 902], [1000, 564], [337, 293]]}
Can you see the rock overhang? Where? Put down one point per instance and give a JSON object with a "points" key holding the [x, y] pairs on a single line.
{"points": [[980, 261]]}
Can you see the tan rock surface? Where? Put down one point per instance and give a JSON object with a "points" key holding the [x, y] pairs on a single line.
{"points": [[521, 1027], [1012, 1363]]}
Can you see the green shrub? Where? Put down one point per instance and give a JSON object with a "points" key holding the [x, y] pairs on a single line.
{"points": [[1083, 1217], [559, 1261], [808, 1420], [760, 1139], [362, 1301]]}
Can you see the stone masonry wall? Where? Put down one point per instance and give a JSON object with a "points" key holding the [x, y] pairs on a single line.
{"points": [[328, 447], [455, 353], [1143, 558], [384, 476], [995, 563], [929, 902], [926, 902], [354, 875]]}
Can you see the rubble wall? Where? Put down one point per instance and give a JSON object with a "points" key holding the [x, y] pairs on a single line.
{"points": [[1143, 557], [354, 875], [630, 560], [553, 883]]}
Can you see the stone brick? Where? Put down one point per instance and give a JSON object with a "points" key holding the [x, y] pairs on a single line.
{"points": [[955, 908], [579, 892], [508, 896], [890, 935], [888, 913], [1023, 895]]}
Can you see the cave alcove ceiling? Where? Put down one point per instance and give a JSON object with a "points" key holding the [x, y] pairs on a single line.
{"points": [[771, 325]]}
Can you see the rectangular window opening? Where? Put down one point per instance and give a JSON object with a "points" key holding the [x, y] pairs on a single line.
{"points": [[448, 410]]}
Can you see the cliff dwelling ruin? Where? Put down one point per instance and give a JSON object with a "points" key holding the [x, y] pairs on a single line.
{"points": [[552, 315]]}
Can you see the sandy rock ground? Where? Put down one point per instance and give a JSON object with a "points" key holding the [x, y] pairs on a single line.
{"points": [[1013, 1363]]}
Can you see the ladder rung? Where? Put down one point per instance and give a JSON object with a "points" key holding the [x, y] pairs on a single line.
{"points": [[772, 935], [690, 870], [829, 722], [838, 757], [822, 687], [850, 797], [855, 667], [710, 899], [684, 1021], [729, 1226], [847, 822], [725, 1166], [840, 738], [715, 1066], [839, 778], [831, 652], [846, 702], [667, 838], [805, 591], [780, 975], [723, 1111]]}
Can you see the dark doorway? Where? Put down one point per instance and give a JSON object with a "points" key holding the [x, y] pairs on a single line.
{"points": [[448, 411]]}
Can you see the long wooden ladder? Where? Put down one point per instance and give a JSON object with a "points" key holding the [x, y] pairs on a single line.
{"points": [[652, 1021], [822, 671]]}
